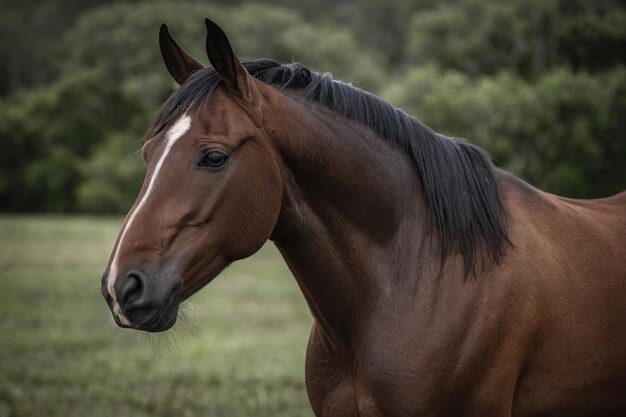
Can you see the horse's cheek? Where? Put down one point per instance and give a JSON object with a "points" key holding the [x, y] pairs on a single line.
{"points": [[253, 216]]}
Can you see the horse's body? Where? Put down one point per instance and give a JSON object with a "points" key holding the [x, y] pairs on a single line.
{"points": [[535, 327], [542, 333]]}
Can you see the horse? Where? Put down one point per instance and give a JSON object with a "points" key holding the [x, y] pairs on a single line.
{"points": [[439, 284]]}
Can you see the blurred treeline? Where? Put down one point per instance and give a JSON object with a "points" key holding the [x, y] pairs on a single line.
{"points": [[541, 84]]}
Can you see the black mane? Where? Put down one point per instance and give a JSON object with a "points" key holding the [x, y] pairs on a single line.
{"points": [[458, 178]]}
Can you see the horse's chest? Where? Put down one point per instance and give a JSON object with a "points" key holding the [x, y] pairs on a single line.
{"points": [[333, 387], [342, 399], [376, 382]]}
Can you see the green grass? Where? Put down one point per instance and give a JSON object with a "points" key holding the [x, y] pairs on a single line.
{"points": [[60, 354]]}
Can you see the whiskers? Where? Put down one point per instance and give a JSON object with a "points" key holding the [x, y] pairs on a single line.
{"points": [[170, 341]]}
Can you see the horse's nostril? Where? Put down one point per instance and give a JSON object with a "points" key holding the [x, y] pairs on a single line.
{"points": [[132, 289]]}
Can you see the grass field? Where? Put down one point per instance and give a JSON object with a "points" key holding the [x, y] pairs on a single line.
{"points": [[60, 354]]}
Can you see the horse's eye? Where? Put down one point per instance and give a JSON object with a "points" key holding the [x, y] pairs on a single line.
{"points": [[213, 160]]}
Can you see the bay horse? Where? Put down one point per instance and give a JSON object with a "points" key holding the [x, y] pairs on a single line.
{"points": [[439, 284]]}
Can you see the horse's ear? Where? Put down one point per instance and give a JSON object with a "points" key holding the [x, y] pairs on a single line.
{"points": [[222, 58], [179, 63]]}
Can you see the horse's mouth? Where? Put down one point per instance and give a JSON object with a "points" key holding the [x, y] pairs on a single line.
{"points": [[166, 317]]}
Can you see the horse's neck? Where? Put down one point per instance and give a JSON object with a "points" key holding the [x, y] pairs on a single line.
{"points": [[352, 214]]}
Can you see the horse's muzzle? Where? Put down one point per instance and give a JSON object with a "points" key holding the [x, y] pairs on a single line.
{"points": [[145, 304]]}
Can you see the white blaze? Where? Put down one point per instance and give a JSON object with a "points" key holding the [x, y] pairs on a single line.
{"points": [[173, 134]]}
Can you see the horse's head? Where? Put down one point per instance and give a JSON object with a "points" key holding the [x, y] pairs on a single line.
{"points": [[212, 193]]}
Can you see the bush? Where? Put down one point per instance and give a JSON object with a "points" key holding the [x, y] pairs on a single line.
{"points": [[561, 133], [111, 177], [122, 41], [526, 37], [45, 135]]}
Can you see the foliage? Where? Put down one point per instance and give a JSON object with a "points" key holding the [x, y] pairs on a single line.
{"points": [[29, 44], [46, 134], [526, 37], [111, 176], [560, 132], [118, 32], [539, 83]]}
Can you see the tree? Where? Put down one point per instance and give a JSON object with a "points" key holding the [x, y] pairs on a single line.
{"points": [[561, 133], [45, 135], [527, 37]]}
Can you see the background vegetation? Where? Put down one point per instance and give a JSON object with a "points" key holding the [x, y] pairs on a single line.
{"points": [[541, 84]]}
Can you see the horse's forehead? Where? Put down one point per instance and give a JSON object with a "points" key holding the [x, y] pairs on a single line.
{"points": [[222, 115]]}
